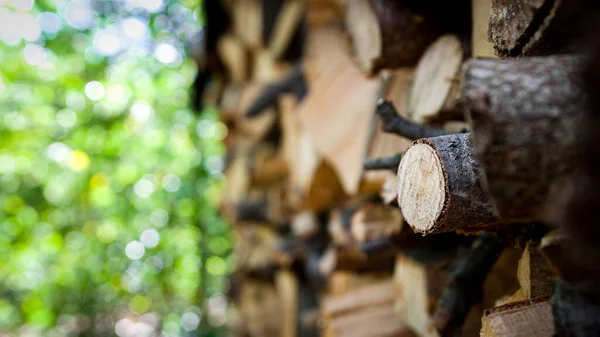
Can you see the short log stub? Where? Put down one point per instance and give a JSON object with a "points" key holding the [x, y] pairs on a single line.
{"points": [[439, 188]]}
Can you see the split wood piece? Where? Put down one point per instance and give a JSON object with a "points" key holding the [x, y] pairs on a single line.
{"points": [[248, 22], [528, 318], [287, 289], [534, 272], [254, 248], [386, 163], [436, 83], [337, 112], [322, 13], [529, 28], [394, 123], [338, 225], [233, 54], [387, 34], [481, 17], [267, 167], [419, 284], [235, 102], [388, 192], [576, 309], [385, 144], [439, 187], [506, 100], [373, 221], [464, 286], [293, 83], [351, 258], [288, 20], [260, 308], [381, 321], [304, 224], [375, 294]]}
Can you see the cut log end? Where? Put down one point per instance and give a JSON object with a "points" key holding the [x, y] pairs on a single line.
{"points": [[421, 164]]}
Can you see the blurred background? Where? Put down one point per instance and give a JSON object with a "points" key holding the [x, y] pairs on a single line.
{"points": [[109, 180]]}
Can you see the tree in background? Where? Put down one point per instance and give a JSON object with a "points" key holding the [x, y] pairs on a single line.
{"points": [[108, 181]]}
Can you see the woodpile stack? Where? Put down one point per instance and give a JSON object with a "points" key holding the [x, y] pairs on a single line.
{"points": [[395, 167]]}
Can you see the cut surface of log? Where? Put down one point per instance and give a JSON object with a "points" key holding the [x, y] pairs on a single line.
{"points": [[522, 114], [380, 321], [532, 317], [370, 295], [436, 74], [439, 187], [386, 34]]}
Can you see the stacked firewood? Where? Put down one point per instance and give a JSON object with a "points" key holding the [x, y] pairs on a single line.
{"points": [[399, 167]]}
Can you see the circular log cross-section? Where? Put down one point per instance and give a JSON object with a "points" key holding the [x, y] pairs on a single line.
{"points": [[439, 188], [387, 34], [522, 115]]}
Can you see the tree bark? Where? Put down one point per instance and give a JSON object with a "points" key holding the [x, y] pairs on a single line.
{"points": [[530, 28], [464, 286], [439, 188], [522, 114], [386, 163]]}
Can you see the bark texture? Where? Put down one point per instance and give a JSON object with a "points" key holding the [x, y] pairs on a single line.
{"points": [[464, 286], [530, 28], [522, 114], [439, 188], [386, 163]]}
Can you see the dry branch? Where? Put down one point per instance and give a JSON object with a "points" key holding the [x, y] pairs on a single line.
{"points": [[394, 123], [293, 83], [439, 188], [522, 114], [464, 287], [387, 163]]}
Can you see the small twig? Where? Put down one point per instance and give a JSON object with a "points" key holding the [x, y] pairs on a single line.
{"points": [[394, 123], [464, 286], [293, 83], [385, 163]]}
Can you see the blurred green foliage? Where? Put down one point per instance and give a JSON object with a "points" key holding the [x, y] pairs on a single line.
{"points": [[108, 180]]}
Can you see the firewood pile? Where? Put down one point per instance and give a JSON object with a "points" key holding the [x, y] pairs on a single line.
{"points": [[408, 168]]}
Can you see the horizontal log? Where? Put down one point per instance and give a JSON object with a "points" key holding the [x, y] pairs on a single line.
{"points": [[387, 34], [386, 163], [439, 187], [522, 113]]}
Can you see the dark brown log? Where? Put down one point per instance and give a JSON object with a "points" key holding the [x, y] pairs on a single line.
{"points": [[529, 28], [394, 123], [387, 34], [439, 188], [522, 114], [464, 286], [387, 163]]}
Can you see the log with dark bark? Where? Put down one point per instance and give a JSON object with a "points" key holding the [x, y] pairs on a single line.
{"points": [[439, 188], [394, 123], [529, 28], [293, 83], [464, 286], [387, 34], [522, 114], [387, 163]]}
